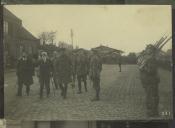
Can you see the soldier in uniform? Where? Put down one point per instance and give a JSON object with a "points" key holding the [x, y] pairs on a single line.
{"points": [[63, 70], [74, 65], [94, 73], [120, 63], [82, 70], [150, 81], [25, 72], [45, 73]]}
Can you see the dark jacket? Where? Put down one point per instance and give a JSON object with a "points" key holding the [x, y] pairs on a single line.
{"points": [[25, 71], [150, 73], [63, 68], [95, 67], [45, 69], [82, 66]]}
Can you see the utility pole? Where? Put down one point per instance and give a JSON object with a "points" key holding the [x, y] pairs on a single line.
{"points": [[72, 34]]}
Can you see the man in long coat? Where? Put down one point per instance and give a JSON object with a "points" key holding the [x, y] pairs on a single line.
{"points": [[94, 73], [45, 73], [150, 81], [82, 70], [25, 72], [63, 70]]}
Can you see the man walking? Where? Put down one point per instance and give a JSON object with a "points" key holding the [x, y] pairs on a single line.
{"points": [[94, 74], [45, 73], [82, 70], [63, 69], [25, 72]]}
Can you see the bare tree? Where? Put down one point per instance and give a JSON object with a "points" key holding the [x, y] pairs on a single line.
{"points": [[47, 37]]}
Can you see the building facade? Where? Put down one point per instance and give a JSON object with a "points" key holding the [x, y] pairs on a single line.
{"points": [[17, 39]]}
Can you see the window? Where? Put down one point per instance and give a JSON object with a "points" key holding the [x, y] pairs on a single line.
{"points": [[5, 28], [10, 29]]}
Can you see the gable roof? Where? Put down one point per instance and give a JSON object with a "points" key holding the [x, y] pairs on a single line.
{"points": [[105, 49], [10, 16]]}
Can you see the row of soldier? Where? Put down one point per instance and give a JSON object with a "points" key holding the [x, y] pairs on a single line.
{"points": [[61, 70]]}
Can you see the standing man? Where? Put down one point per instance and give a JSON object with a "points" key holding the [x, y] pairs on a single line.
{"points": [[150, 81], [94, 74], [74, 66], [25, 72], [120, 63], [45, 73], [82, 70], [63, 69]]}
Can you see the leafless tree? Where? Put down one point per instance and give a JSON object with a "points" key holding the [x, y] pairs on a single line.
{"points": [[47, 37]]}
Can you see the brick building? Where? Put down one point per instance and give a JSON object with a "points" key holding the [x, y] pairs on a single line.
{"points": [[16, 39]]}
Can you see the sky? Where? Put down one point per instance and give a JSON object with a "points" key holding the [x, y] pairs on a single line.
{"points": [[125, 27]]}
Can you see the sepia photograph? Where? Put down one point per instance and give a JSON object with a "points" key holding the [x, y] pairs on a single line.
{"points": [[87, 62]]}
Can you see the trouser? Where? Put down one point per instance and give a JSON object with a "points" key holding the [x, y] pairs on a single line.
{"points": [[20, 86], [73, 80], [152, 99], [63, 87], [82, 78], [44, 82], [96, 85]]}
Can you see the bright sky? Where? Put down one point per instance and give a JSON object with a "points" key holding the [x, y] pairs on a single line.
{"points": [[124, 27]]}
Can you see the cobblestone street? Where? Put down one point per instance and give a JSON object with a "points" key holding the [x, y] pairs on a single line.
{"points": [[122, 97]]}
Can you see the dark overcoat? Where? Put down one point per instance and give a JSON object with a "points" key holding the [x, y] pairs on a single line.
{"points": [[63, 68], [45, 69], [25, 71], [150, 73]]}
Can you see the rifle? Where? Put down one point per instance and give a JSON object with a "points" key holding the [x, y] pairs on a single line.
{"points": [[143, 57]]}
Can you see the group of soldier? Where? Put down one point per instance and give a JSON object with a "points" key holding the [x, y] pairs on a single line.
{"points": [[61, 70], [65, 68]]}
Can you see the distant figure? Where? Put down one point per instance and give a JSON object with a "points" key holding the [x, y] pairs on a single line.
{"points": [[150, 81], [120, 63], [25, 72], [94, 73], [74, 66], [63, 69], [45, 73], [82, 70]]}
